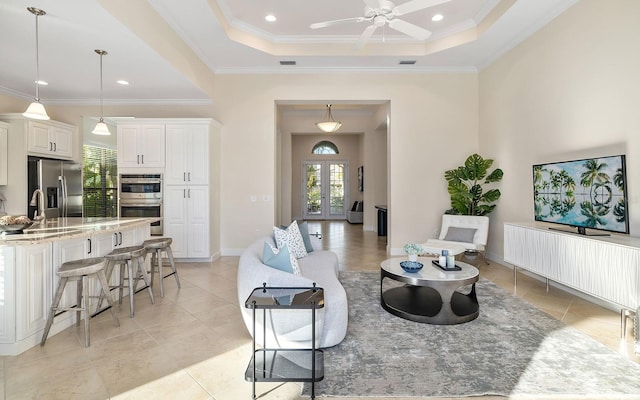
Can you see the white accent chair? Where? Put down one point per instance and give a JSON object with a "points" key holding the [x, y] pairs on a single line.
{"points": [[470, 231]]}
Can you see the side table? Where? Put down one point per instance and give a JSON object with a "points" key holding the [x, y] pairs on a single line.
{"points": [[279, 364]]}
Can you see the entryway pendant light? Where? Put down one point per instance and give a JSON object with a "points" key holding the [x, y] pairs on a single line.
{"points": [[329, 125], [36, 109], [101, 128]]}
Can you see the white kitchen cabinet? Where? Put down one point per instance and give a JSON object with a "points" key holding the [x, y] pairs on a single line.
{"points": [[187, 158], [28, 279], [33, 288], [141, 145], [50, 138], [4, 132], [186, 220], [7, 287]]}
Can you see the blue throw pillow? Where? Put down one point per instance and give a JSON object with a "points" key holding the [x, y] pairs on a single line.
{"points": [[304, 230], [280, 259]]}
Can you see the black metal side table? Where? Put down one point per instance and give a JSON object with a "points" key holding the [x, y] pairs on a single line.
{"points": [[281, 364]]}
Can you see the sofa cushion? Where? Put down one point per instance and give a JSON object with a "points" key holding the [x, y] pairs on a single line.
{"points": [[280, 259], [320, 265], [292, 238], [455, 234]]}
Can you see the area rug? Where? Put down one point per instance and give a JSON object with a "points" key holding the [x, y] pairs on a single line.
{"points": [[512, 349]]}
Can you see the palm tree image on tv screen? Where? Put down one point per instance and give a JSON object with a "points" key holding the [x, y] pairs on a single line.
{"points": [[587, 193]]}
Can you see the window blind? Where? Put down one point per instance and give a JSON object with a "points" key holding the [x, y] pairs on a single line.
{"points": [[100, 182]]}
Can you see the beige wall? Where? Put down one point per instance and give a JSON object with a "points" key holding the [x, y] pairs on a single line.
{"points": [[569, 91], [375, 155], [434, 126]]}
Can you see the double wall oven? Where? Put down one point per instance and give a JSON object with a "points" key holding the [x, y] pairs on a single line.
{"points": [[141, 196]]}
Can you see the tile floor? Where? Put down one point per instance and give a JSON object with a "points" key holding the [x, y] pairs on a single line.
{"points": [[192, 344]]}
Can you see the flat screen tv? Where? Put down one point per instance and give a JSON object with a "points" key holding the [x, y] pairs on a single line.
{"points": [[583, 194]]}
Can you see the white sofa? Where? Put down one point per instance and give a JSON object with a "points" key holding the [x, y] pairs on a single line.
{"points": [[292, 328]]}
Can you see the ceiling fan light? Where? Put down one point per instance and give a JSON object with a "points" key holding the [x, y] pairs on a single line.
{"points": [[101, 129], [36, 111], [329, 124]]}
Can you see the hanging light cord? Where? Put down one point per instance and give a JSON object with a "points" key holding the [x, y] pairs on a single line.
{"points": [[37, 62], [101, 53], [101, 90]]}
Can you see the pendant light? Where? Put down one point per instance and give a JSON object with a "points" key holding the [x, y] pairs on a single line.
{"points": [[329, 124], [36, 109], [101, 128]]}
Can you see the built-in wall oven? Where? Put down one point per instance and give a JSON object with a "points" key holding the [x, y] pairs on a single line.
{"points": [[141, 196]]}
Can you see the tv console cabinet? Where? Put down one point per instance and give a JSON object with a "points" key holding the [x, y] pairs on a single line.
{"points": [[606, 267]]}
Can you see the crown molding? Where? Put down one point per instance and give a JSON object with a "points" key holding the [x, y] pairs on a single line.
{"points": [[410, 69]]}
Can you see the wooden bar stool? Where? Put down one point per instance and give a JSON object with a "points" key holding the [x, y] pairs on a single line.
{"points": [[157, 246], [79, 271], [126, 257]]}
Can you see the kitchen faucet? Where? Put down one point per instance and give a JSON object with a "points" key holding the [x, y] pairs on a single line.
{"points": [[39, 215]]}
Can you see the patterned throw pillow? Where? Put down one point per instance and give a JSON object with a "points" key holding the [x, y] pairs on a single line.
{"points": [[292, 238], [280, 259]]}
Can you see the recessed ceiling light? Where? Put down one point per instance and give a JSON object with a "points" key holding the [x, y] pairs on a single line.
{"points": [[437, 17], [122, 82], [43, 83], [270, 18]]}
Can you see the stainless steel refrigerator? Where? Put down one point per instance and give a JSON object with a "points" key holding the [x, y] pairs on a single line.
{"points": [[61, 183]]}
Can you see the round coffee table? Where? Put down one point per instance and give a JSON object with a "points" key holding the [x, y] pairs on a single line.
{"points": [[430, 295]]}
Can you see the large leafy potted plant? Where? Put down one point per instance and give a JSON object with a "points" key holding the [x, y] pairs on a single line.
{"points": [[468, 197]]}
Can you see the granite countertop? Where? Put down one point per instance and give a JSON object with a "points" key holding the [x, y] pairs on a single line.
{"points": [[68, 228]]}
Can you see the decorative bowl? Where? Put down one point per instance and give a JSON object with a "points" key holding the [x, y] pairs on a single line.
{"points": [[411, 266], [14, 224], [17, 228]]}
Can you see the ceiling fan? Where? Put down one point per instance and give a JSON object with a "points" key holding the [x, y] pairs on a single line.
{"points": [[384, 12]]}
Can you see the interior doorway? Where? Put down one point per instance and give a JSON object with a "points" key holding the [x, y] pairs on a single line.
{"points": [[362, 141], [325, 189]]}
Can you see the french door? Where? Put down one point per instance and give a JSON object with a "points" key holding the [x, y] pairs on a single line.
{"points": [[324, 186]]}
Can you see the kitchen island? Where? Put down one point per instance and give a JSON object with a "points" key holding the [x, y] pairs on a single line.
{"points": [[28, 262]]}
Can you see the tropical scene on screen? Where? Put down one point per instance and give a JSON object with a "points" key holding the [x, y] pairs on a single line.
{"points": [[584, 193]]}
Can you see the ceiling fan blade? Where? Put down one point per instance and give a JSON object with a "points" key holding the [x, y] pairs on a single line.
{"points": [[337, 22], [409, 29], [366, 35], [415, 5]]}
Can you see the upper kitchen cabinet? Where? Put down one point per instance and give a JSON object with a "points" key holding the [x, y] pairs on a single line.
{"points": [[27, 137], [50, 139], [187, 154], [141, 145]]}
